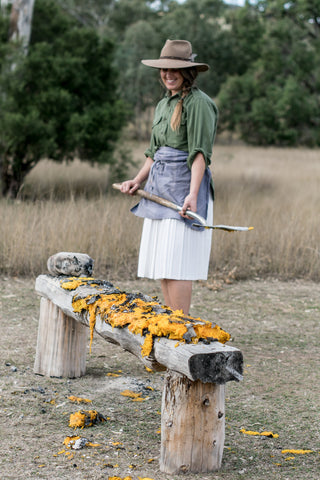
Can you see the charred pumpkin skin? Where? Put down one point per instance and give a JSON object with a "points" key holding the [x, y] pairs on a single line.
{"points": [[141, 316]]}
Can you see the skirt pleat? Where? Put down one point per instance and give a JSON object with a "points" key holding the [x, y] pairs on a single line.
{"points": [[169, 249]]}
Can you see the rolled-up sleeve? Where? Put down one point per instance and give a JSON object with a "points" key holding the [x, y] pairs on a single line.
{"points": [[151, 149], [202, 116]]}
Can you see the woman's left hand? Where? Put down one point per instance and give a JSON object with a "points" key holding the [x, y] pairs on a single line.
{"points": [[190, 203]]}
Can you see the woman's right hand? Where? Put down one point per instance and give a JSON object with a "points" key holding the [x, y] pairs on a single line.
{"points": [[129, 187]]}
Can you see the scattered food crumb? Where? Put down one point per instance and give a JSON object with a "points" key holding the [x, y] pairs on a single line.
{"points": [[263, 434], [297, 452], [74, 399], [85, 418]]}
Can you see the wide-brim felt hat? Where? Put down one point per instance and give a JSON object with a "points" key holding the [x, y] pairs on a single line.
{"points": [[176, 54]]}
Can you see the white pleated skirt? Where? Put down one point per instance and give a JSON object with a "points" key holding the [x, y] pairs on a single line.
{"points": [[169, 249]]}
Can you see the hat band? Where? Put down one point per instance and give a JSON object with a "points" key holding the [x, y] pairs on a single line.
{"points": [[177, 58]]}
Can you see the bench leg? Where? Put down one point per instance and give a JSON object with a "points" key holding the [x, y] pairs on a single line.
{"points": [[61, 345], [192, 425]]}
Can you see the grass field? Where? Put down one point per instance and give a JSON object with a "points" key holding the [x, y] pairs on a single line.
{"points": [[73, 208]]}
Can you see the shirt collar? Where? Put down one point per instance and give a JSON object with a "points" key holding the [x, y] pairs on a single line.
{"points": [[178, 95]]}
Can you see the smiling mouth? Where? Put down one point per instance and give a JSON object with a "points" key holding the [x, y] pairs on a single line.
{"points": [[171, 81]]}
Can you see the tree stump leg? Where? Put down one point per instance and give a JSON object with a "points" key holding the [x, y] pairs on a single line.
{"points": [[192, 425], [61, 345]]}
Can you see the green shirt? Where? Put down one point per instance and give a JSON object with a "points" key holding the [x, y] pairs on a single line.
{"points": [[197, 129]]}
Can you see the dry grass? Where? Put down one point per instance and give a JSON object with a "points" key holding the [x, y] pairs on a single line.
{"points": [[276, 191], [33, 232], [72, 208]]}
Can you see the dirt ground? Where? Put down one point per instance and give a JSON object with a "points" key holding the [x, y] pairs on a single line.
{"points": [[275, 324]]}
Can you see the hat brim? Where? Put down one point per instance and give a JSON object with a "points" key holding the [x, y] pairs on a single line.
{"points": [[173, 63]]}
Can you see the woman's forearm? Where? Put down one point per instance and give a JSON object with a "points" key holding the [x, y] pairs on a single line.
{"points": [[197, 171], [130, 186], [143, 174]]}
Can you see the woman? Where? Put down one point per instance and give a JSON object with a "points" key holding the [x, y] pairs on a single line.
{"points": [[176, 168]]}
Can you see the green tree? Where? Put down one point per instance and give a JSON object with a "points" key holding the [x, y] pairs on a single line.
{"points": [[127, 12], [89, 13], [243, 29], [277, 100], [4, 29], [139, 85], [60, 101]]}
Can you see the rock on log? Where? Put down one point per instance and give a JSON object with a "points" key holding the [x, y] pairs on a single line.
{"points": [[212, 363], [71, 264]]}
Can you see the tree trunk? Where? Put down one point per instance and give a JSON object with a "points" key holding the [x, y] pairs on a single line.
{"points": [[12, 180], [21, 22], [9, 185], [19, 31], [192, 425]]}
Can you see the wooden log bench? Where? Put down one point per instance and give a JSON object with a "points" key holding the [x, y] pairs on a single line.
{"points": [[198, 367]]}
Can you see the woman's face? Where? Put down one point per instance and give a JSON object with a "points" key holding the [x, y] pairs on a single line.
{"points": [[172, 79]]}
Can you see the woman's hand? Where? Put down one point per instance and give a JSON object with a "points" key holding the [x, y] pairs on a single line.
{"points": [[190, 203], [129, 187]]}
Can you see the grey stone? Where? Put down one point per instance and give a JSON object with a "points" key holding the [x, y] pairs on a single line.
{"points": [[70, 264]]}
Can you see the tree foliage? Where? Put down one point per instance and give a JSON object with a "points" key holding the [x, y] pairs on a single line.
{"points": [[138, 85], [60, 101], [277, 99]]}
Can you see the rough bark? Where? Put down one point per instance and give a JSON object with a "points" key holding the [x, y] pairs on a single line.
{"points": [[192, 425], [61, 345], [20, 33], [21, 22]]}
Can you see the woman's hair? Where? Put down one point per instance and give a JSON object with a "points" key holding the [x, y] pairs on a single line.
{"points": [[189, 76]]}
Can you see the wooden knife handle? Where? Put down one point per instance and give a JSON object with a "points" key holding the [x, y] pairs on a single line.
{"points": [[152, 197]]}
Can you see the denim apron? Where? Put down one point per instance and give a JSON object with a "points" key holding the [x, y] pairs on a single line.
{"points": [[170, 178]]}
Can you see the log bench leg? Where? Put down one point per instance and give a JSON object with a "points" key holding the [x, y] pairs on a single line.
{"points": [[192, 425], [61, 345]]}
